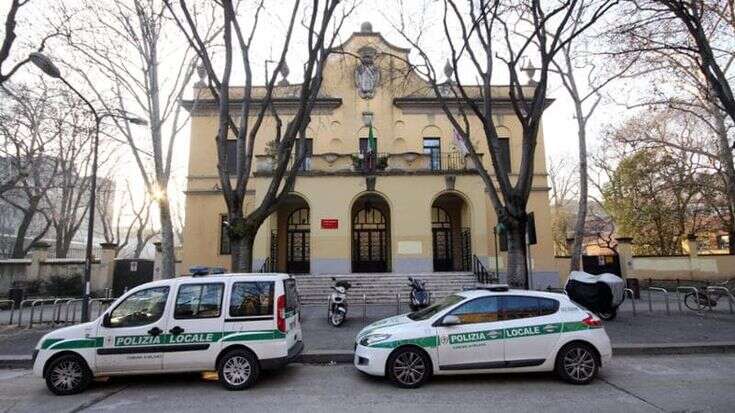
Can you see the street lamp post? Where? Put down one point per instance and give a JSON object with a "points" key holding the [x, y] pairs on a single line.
{"points": [[48, 67]]}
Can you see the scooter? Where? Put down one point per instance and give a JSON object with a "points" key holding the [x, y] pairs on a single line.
{"points": [[337, 311], [419, 297]]}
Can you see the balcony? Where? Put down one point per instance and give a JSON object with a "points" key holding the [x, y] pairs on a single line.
{"points": [[376, 163]]}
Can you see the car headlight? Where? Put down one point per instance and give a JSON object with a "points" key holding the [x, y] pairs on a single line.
{"points": [[371, 339]]}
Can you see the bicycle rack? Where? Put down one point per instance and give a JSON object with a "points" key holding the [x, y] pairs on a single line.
{"points": [[100, 302], [632, 298], [730, 297], [20, 310], [57, 308], [72, 304], [33, 310], [12, 309], [666, 296], [681, 288]]}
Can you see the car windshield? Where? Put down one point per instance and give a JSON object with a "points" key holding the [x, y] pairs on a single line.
{"points": [[431, 310]]}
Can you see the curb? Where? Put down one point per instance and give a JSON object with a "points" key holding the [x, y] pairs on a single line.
{"points": [[346, 356]]}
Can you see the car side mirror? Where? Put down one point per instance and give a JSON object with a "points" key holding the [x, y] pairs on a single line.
{"points": [[106, 320], [451, 320]]}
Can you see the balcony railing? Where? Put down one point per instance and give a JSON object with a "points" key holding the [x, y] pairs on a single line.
{"points": [[365, 163]]}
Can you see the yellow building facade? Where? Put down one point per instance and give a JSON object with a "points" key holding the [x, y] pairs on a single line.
{"points": [[414, 204]]}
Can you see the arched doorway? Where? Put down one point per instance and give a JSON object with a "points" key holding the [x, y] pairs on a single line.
{"points": [[370, 234], [298, 241], [450, 233], [441, 236], [290, 248]]}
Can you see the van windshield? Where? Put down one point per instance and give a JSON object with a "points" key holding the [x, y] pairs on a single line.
{"points": [[431, 310]]}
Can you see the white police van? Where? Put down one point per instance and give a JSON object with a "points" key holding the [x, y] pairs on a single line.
{"points": [[484, 331], [236, 324]]}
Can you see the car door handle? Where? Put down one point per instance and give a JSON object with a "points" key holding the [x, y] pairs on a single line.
{"points": [[155, 331], [176, 330]]}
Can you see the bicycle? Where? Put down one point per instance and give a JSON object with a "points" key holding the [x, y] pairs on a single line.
{"points": [[705, 298]]}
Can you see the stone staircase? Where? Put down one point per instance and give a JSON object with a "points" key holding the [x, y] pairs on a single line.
{"points": [[380, 288]]}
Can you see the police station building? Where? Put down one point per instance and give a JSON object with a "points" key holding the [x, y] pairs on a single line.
{"points": [[406, 201]]}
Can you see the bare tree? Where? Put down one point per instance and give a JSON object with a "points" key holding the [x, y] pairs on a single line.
{"points": [[130, 217], [149, 74], [240, 34], [480, 33], [68, 202], [687, 49], [564, 185], [9, 37], [27, 132], [584, 79]]}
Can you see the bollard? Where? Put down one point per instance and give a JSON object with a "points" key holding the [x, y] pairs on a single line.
{"points": [[364, 308], [650, 303], [632, 298], [398, 303]]}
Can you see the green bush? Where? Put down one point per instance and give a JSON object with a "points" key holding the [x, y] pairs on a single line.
{"points": [[64, 286]]}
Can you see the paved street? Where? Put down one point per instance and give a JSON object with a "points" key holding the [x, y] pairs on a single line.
{"points": [[630, 384]]}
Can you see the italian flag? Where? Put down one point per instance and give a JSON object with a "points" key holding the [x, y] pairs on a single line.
{"points": [[372, 142]]}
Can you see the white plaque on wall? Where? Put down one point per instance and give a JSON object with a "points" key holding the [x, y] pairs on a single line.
{"points": [[409, 247]]}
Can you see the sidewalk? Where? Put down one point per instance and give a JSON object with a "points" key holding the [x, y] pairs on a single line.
{"points": [[645, 332]]}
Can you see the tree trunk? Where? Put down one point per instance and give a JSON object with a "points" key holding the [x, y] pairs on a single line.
{"points": [[576, 253], [168, 262], [20, 236], [725, 155], [246, 252], [517, 269]]}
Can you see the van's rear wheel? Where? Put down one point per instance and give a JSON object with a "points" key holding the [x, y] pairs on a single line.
{"points": [[238, 370], [67, 375], [409, 368]]}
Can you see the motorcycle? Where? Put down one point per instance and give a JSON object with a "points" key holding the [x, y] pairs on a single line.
{"points": [[419, 297], [337, 311]]}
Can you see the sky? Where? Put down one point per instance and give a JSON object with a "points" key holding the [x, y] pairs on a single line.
{"points": [[559, 125]]}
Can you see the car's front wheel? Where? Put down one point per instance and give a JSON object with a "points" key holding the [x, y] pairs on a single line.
{"points": [[67, 375], [577, 363], [238, 370], [409, 367]]}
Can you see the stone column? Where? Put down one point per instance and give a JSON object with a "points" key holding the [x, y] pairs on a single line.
{"points": [[625, 254], [157, 261], [39, 253], [102, 273]]}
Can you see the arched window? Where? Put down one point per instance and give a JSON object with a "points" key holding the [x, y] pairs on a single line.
{"points": [[440, 218], [299, 219], [369, 218]]}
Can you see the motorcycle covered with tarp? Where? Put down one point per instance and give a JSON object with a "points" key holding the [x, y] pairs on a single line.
{"points": [[601, 294]]}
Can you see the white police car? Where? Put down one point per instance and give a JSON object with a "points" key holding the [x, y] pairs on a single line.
{"points": [[484, 331], [236, 324]]}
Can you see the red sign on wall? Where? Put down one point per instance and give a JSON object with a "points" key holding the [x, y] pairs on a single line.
{"points": [[330, 223]]}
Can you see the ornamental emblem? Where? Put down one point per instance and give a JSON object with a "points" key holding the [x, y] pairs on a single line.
{"points": [[367, 74], [444, 340]]}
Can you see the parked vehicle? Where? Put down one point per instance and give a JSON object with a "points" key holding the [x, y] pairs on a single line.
{"points": [[601, 294], [490, 330], [419, 297], [337, 306], [236, 324]]}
